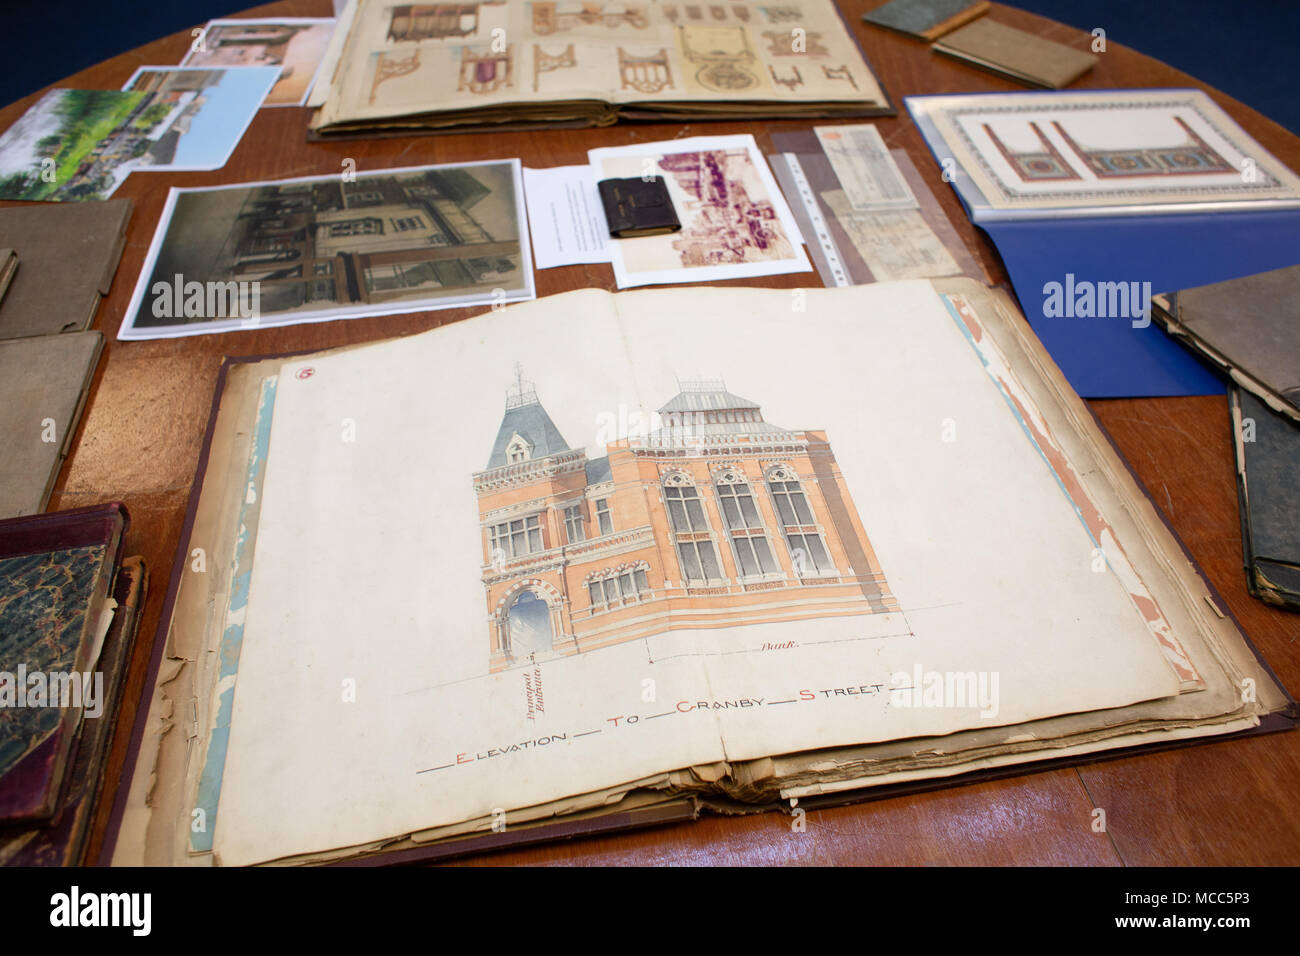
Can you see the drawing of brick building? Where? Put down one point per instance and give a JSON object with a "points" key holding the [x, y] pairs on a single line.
{"points": [[714, 519]]}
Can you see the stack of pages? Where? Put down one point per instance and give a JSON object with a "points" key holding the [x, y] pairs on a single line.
{"points": [[511, 63], [491, 584]]}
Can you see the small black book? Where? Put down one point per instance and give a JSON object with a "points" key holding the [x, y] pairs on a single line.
{"points": [[638, 207]]}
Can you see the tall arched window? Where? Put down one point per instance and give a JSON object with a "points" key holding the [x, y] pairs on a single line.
{"points": [[695, 551], [748, 536], [807, 550]]}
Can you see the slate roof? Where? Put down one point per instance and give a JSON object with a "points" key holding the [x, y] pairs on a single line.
{"points": [[534, 426], [598, 470], [712, 400]]}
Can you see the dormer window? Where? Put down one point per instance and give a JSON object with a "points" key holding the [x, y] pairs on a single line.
{"points": [[518, 450]]}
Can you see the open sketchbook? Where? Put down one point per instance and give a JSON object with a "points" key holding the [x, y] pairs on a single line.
{"points": [[607, 556], [528, 64]]}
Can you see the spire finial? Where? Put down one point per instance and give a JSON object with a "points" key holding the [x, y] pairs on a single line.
{"points": [[522, 392]]}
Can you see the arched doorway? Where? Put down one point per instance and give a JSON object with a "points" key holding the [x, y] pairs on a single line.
{"points": [[528, 625]]}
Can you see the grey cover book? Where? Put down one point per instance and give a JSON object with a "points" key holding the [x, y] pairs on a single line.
{"points": [[926, 19], [1021, 56], [1249, 327], [43, 386], [1268, 461], [69, 253]]}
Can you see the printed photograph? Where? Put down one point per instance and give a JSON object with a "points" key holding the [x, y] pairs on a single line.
{"points": [[218, 106], [294, 46], [735, 224], [328, 247], [81, 144], [727, 216]]}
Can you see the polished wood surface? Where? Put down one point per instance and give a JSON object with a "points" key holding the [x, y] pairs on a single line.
{"points": [[1232, 802]]}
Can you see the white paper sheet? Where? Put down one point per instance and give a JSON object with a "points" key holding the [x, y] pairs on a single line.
{"points": [[565, 216]]}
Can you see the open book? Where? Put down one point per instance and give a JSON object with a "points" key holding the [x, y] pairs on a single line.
{"points": [[606, 554], [500, 63]]}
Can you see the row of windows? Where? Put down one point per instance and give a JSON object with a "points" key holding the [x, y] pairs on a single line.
{"points": [[575, 529], [373, 226], [618, 588], [696, 553], [523, 536], [749, 541], [514, 539]]}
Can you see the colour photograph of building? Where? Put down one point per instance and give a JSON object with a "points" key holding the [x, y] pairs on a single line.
{"points": [[715, 518], [330, 242], [81, 144], [294, 46]]}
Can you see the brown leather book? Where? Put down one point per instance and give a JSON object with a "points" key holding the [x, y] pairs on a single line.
{"points": [[56, 577], [63, 842]]}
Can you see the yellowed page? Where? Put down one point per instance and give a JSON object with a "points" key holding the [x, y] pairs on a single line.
{"points": [[378, 694], [398, 60]]}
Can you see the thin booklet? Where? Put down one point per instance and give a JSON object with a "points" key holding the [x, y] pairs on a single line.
{"points": [[494, 578]]}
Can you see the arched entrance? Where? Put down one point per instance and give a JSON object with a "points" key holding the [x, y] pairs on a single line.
{"points": [[528, 625]]}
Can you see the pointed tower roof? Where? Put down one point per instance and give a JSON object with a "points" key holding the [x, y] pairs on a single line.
{"points": [[525, 423]]}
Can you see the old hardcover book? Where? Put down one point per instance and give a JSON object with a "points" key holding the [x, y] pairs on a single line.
{"points": [[1268, 460], [1022, 56], [518, 64], [8, 266], [659, 576], [63, 842], [926, 19], [1249, 327], [57, 574], [43, 386], [69, 253]]}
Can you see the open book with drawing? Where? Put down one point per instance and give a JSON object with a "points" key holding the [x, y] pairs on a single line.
{"points": [[497, 63], [602, 553]]}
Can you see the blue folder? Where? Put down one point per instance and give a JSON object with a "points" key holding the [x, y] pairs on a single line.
{"points": [[1109, 357]]}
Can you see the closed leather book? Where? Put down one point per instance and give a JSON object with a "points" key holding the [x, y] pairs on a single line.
{"points": [[638, 207], [64, 842], [56, 576]]}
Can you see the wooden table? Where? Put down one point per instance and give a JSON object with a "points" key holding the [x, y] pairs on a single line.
{"points": [[1233, 802]]}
